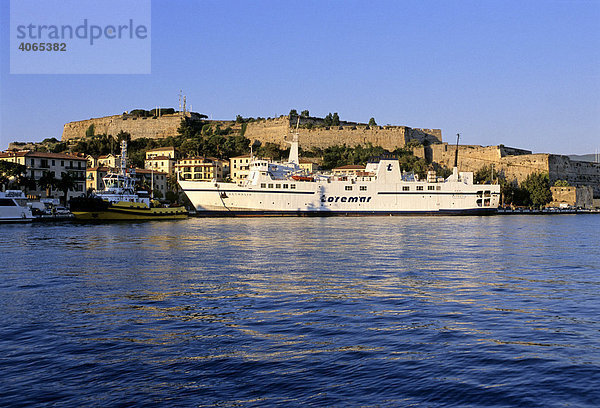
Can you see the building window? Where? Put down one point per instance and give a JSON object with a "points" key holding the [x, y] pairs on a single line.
{"points": [[53, 163]]}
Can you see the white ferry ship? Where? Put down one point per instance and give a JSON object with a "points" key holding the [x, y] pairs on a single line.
{"points": [[382, 189]]}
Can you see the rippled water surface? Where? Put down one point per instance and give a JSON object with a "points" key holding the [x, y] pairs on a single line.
{"points": [[387, 311]]}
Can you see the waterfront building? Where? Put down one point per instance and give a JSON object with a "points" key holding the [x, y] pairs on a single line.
{"points": [[351, 169], [109, 160], [578, 197], [308, 166], [239, 167], [56, 164], [202, 169], [93, 177], [162, 159], [92, 161]]}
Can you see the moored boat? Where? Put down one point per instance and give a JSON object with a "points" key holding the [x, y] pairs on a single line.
{"points": [[13, 207], [119, 201], [382, 189]]}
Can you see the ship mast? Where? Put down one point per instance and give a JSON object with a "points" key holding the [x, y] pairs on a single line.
{"points": [[123, 157]]}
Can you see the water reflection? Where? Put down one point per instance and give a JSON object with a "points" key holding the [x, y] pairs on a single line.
{"points": [[432, 302]]}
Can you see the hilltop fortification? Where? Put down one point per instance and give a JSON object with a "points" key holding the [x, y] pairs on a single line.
{"points": [[154, 127], [515, 164], [313, 133]]}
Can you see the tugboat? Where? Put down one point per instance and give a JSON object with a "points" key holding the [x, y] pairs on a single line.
{"points": [[119, 200]]}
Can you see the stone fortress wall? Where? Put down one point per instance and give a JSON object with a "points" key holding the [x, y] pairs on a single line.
{"points": [[280, 129], [138, 127], [515, 164]]}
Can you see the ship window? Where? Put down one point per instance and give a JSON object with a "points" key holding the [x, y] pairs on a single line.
{"points": [[419, 188], [292, 186], [285, 186], [277, 185], [363, 188], [263, 185], [348, 188], [270, 185], [430, 188], [438, 187], [486, 202], [405, 188], [7, 202]]}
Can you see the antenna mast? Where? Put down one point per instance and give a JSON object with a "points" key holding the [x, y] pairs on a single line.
{"points": [[456, 152]]}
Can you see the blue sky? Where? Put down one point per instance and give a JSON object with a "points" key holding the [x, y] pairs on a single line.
{"points": [[522, 73]]}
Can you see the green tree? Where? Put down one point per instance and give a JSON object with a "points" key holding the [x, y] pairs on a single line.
{"points": [[372, 122], [561, 183], [328, 121], [293, 112], [90, 131], [66, 183], [305, 113], [47, 181], [14, 175], [335, 120], [538, 187]]}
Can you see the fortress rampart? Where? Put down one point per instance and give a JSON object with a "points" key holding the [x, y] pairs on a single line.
{"points": [[515, 164], [138, 127], [347, 133]]}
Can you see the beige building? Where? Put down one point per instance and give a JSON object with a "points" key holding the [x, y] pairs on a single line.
{"points": [[39, 163], [239, 167], [579, 197], [109, 160], [201, 169], [93, 178], [160, 152], [161, 159], [351, 169], [309, 166]]}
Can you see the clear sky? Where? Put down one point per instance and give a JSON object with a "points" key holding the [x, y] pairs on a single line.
{"points": [[522, 73]]}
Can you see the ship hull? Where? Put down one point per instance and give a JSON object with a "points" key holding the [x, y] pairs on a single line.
{"points": [[125, 211]]}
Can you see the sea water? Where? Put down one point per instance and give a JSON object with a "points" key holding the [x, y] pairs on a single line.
{"points": [[499, 311]]}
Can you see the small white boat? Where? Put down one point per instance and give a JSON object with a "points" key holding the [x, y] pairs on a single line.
{"points": [[13, 207]]}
